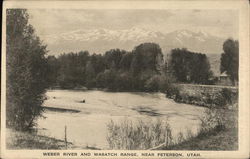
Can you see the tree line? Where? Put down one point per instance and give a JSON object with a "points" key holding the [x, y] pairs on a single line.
{"points": [[30, 71], [116, 69], [142, 69]]}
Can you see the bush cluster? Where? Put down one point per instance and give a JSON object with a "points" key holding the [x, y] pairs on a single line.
{"points": [[213, 120], [222, 99], [139, 135]]}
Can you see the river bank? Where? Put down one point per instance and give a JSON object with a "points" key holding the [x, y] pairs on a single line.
{"points": [[208, 140], [87, 124], [16, 140], [214, 141], [204, 95], [228, 138], [31, 140]]}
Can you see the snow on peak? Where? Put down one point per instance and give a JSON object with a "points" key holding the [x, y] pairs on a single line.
{"points": [[134, 33], [88, 39], [125, 37], [185, 33]]}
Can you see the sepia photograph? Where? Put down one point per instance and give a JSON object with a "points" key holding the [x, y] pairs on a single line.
{"points": [[96, 79]]}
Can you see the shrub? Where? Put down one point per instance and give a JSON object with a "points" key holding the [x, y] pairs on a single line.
{"points": [[222, 99], [123, 82], [100, 80], [215, 102], [228, 95], [225, 97], [152, 84], [219, 100], [172, 92], [213, 119], [138, 135], [180, 137]]}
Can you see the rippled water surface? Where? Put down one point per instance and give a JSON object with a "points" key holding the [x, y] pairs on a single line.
{"points": [[88, 127]]}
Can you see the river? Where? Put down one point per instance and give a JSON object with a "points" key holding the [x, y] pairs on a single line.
{"points": [[88, 127]]}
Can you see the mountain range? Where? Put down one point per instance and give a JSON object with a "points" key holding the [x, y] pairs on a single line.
{"points": [[101, 40]]}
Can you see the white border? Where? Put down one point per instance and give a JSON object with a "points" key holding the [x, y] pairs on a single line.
{"points": [[241, 5]]}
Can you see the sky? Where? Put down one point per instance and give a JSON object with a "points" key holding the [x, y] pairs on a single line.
{"points": [[221, 23]]}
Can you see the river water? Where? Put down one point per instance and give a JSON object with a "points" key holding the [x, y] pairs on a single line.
{"points": [[89, 126]]}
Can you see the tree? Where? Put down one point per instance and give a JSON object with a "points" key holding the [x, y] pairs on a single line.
{"points": [[90, 75], [67, 77], [126, 61], [230, 59], [147, 56], [153, 84], [178, 64], [82, 59], [26, 71], [116, 70], [53, 68], [200, 69], [113, 58], [189, 66], [98, 63], [72, 69]]}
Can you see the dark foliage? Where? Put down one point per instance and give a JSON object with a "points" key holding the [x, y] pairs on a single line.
{"points": [[173, 92], [26, 71], [190, 67], [230, 59], [224, 98], [116, 70]]}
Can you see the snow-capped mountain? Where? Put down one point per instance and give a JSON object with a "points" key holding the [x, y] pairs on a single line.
{"points": [[101, 40], [194, 41], [132, 34]]}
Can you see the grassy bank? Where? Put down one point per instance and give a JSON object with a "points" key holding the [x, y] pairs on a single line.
{"points": [[218, 131], [30, 140], [222, 137], [215, 140], [17, 140], [206, 96]]}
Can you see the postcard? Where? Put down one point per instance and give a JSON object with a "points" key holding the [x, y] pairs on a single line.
{"points": [[125, 79]]}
